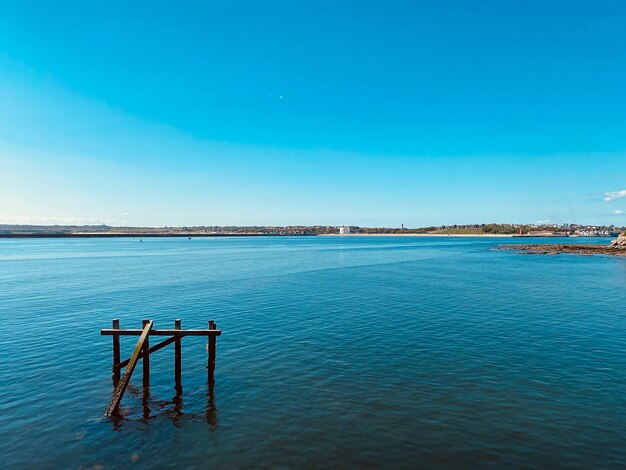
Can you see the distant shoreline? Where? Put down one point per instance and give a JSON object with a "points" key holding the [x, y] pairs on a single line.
{"points": [[149, 235], [483, 235], [240, 234], [462, 231]]}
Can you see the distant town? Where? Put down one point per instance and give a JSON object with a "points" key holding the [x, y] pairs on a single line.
{"points": [[520, 230]]}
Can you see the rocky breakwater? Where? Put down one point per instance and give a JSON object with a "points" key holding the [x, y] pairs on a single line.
{"points": [[615, 248]]}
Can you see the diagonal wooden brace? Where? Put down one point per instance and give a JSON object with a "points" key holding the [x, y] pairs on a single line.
{"points": [[143, 354], [132, 363]]}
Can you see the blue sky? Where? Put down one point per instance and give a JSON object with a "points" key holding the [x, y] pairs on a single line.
{"points": [[312, 112]]}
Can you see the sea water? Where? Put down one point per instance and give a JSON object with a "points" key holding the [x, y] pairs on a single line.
{"points": [[336, 352]]}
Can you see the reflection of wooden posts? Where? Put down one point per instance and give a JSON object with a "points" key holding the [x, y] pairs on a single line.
{"points": [[177, 357], [116, 351], [146, 358], [211, 348], [211, 410], [143, 350]]}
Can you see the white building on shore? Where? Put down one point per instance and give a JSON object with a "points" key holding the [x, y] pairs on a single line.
{"points": [[344, 230]]}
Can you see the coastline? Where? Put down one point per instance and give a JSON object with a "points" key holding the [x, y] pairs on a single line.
{"points": [[253, 234], [147, 235], [482, 235]]}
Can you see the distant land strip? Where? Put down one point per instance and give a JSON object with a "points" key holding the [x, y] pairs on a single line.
{"points": [[146, 235], [487, 230]]}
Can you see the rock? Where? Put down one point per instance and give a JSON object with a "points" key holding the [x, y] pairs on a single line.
{"points": [[620, 242], [577, 248]]}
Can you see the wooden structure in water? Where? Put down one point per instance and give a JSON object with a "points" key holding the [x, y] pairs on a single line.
{"points": [[143, 350]]}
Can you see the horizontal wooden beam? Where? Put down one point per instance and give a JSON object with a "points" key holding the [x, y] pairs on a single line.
{"points": [[112, 331], [143, 354]]}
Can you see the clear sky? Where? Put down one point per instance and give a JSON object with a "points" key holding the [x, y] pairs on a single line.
{"points": [[312, 112]]}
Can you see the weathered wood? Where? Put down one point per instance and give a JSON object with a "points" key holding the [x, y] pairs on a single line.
{"points": [[178, 357], [146, 357], [123, 383], [121, 332], [211, 349], [143, 350], [154, 348], [116, 351]]}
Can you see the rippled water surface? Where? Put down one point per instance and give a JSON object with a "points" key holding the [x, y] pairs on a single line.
{"points": [[336, 353]]}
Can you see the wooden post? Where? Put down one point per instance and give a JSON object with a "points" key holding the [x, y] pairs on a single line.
{"points": [[146, 358], [116, 352], [177, 358], [121, 386], [211, 348]]}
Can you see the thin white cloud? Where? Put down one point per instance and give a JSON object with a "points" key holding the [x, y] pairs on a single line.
{"points": [[39, 220], [619, 212], [612, 195]]}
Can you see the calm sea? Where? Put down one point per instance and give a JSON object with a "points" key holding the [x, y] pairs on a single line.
{"points": [[336, 352]]}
